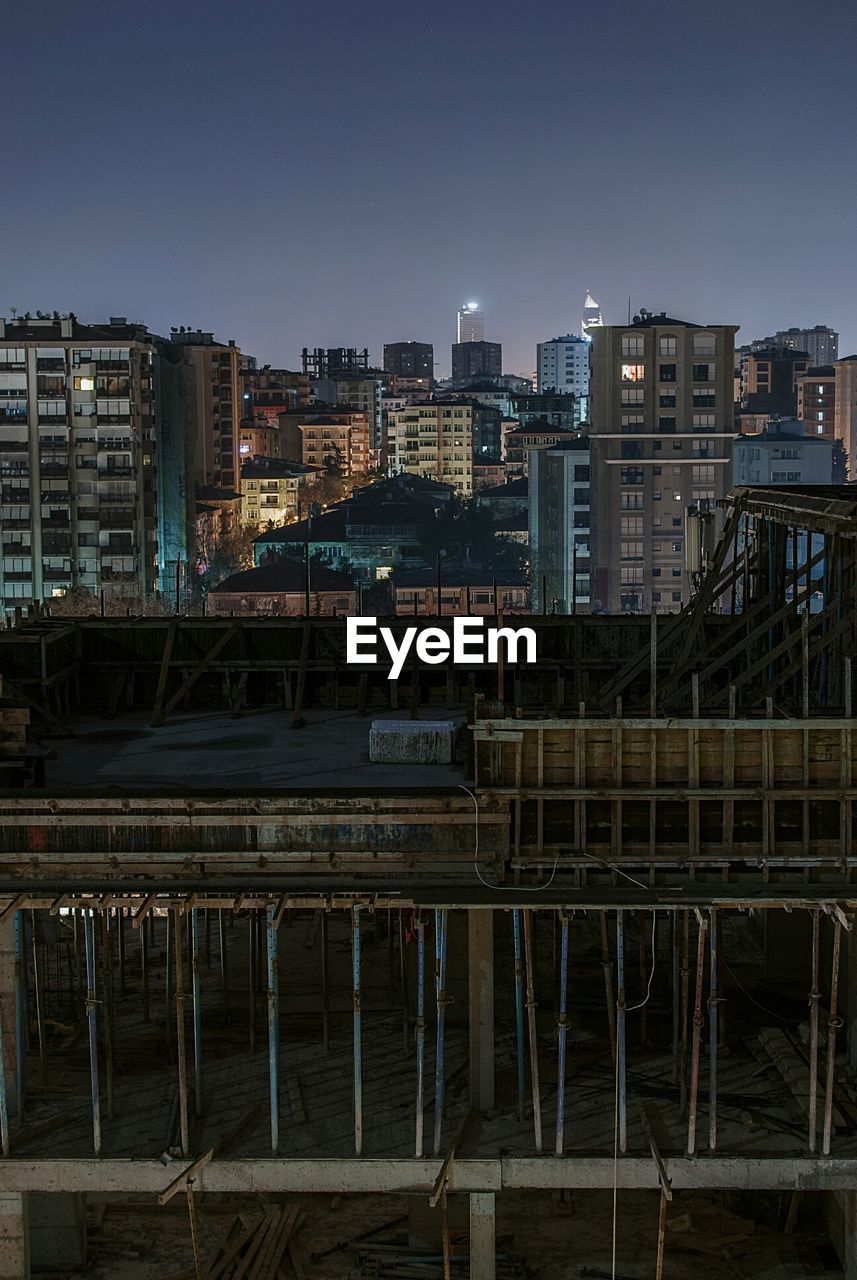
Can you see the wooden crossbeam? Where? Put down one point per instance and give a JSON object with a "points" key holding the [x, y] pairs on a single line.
{"points": [[197, 671]]}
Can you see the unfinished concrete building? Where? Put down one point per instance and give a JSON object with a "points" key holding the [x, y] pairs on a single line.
{"points": [[579, 1003]]}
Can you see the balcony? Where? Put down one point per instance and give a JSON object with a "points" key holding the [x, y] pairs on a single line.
{"points": [[116, 518], [56, 575], [55, 497], [53, 468], [14, 415], [14, 446], [50, 364], [53, 420], [120, 472]]}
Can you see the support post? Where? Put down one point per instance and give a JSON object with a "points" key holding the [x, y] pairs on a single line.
{"points": [[358, 1032], [712, 1033], [483, 1246], [273, 1028], [440, 928], [621, 1098], [814, 998], [181, 1049], [832, 1025], [562, 1033], [532, 1030], [197, 1010], [697, 1037], [480, 986], [421, 1030], [91, 1018], [519, 1009]]}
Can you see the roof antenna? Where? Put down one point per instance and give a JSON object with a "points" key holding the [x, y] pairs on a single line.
{"points": [[629, 308]]}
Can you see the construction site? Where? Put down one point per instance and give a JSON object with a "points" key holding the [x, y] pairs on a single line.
{"points": [[579, 1000]]}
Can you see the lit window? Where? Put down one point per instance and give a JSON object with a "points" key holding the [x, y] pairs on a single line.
{"points": [[633, 372], [84, 384]]}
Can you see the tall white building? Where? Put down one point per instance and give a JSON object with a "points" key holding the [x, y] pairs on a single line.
{"points": [[591, 317], [470, 323], [562, 365]]}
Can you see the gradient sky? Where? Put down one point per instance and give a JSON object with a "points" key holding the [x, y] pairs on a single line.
{"points": [[348, 173]]}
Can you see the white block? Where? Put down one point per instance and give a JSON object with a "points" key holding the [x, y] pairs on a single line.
{"points": [[411, 741]]}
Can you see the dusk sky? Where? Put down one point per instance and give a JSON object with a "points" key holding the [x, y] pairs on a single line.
{"points": [[348, 174]]}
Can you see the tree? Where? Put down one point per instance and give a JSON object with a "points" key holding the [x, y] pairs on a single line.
{"points": [[466, 530]]}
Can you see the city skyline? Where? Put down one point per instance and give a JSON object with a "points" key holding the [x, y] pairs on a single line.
{"points": [[322, 246]]}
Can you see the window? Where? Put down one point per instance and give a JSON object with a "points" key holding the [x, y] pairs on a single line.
{"points": [[631, 575], [632, 422], [667, 345], [630, 551], [631, 475], [667, 373], [633, 372], [84, 384], [631, 526], [702, 474], [633, 344], [666, 399], [704, 398], [632, 395], [666, 423], [704, 344], [677, 546], [631, 501], [703, 373], [703, 422]]}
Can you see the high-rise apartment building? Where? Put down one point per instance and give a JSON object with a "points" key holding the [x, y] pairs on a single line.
{"points": [[331, 362], [339, 440], [213, 405], [363, 393], [820, 343], [661, 415], [476, 359], [470, 323], [816, 401], [562, 365], [559, 516], [845, 410], [769, 381], [409, 360], [77, 459], [434, 440]]}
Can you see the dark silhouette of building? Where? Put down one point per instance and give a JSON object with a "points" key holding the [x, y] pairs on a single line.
{"points": [[476, 360], [326, 362], [409, 359]]}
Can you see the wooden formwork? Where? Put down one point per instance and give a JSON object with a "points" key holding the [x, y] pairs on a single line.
{"points": [[660, 790]]}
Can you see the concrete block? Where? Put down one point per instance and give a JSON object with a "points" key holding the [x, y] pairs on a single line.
{"points": [[411, 741], [57, 1231], [14, 1237]]}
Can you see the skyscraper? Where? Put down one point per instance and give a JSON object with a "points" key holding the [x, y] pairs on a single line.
{"points": [[476, 360], [591, 317], [409, 359], [470, 323], [562, 365]]}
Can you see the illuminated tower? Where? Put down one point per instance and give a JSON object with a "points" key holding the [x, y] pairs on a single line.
{"points": [[591, 317], [470, 323]]}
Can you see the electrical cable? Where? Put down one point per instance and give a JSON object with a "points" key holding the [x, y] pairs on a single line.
{"points": [[507, 888]]}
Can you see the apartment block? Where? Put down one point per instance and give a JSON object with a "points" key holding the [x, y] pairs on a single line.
{"points": [[559, 523], [661, 412], [363, 393], [434, 440], [77, 465], [337, 440], [782, 454], [270, 489], [411, 360], [845, 410], [213, 405], [816, 401]]}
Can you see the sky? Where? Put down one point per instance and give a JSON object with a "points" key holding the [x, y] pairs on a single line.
{"points": [[347, 174]]}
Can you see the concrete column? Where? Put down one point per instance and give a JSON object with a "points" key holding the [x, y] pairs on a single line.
{"points": [[14, 1241], [482, 1236], [480, 973]]}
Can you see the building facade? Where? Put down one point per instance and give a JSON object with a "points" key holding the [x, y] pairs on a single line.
{"points": [[782, 454], [816, 401], [820, 343], [661, 429], [470, 323], [562, 366], [77, 460], [845, 410], [769, 381], [337, 440], [434, 440], [269, 489], [559, 524], [409, 360], [473, 360]]}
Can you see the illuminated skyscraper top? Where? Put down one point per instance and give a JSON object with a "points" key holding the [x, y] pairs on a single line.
{"points": [[591, 317], [470, 323]]}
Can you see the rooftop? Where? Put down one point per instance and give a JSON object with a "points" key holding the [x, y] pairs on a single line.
{"points": [[284, 575]]}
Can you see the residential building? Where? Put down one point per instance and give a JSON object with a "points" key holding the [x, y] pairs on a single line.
{"points": [[592, 320], [339, 440], [470, 323], [434, 440], [769, 381], [816, 401], [464, 590], [333, 362], [782, 454], [506, 499], [486, 391], [410, 360], [556, 408], [377, 530], [845, 410], [214, 404], [820, 343], [78, 505], [280, 589], [258, 439], [363, 393], [269, 489], [559, 521], [267, 392], [661, 428], [562, 366], [487, 475], [476, 360], [520, 440]]}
